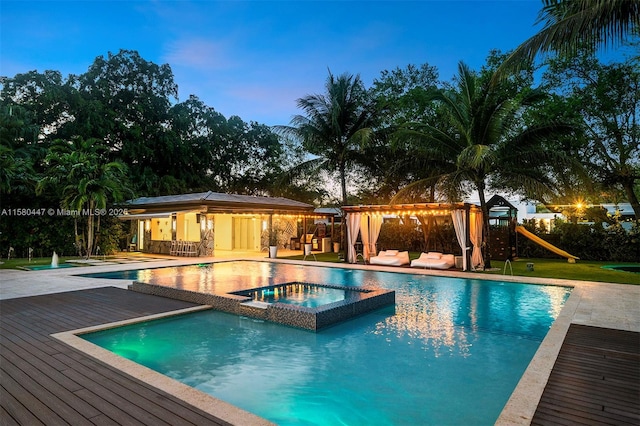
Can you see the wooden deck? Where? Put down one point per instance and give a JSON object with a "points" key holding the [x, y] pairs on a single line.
{"points": [[595, 380], [43, 381]]}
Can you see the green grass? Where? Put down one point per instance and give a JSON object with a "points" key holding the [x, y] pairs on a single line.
{"points": [[558, 268], [18, 263], [542, 268]]}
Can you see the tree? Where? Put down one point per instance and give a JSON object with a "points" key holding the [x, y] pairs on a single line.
{"points": [[18, 148], [212, 152], [607, 97], [484, 137], [570, 25], [401, 96], [44, 97], [124, 101], [335, 128], [86, 180]]}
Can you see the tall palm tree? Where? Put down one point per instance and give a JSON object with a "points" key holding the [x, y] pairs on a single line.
{"points": [[482, 136], [335, 128], [573, 24], [86, 181]]}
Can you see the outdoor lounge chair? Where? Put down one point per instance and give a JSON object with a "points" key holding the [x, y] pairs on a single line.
{"points": [[390, 258], [434, 260]]}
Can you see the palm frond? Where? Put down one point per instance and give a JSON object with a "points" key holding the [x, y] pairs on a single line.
{"points": [[571, 24]]}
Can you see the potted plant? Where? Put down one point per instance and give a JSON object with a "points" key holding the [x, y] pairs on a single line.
{"points": [[336, 237], [274, 240]]}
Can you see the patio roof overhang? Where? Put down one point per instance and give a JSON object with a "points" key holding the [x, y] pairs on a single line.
{"points": [[216, 203], [412, 209]]}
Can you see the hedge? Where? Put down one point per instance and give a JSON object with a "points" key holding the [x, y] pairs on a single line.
{"points": [[586, 241]]}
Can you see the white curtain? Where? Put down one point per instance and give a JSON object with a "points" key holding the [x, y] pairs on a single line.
{"points": [[476, 238], [353, 227], [369, 231], [375, 222], [460, 225], [364, 234]]}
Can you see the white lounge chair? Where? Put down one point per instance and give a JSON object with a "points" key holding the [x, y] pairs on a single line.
{"points": [[434, 260], [390, 258]]}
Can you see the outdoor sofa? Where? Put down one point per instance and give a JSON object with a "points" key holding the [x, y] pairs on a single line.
{"points": [[434, 260], [390, 258]]}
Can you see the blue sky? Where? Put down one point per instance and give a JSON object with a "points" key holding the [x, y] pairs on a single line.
{"points": [[255, 58]]}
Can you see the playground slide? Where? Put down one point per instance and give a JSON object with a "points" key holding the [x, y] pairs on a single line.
{"points": [[570, 258]]}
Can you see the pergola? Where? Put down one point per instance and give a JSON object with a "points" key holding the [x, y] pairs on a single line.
{"points": [[367, 221]]}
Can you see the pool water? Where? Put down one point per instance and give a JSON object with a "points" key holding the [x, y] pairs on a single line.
{"points": [[625, 268], [449, 353], [300, 294], [45, 267]]}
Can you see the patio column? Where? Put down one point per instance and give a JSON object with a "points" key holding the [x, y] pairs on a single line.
{"points": [[303, 237]]}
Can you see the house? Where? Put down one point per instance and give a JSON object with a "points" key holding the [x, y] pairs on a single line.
{"points": [[201, 223]]}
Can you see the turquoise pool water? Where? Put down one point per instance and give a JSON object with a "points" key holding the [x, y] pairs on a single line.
{"points": [[449, 353], [45, 267], [300, 294], [625, 268]]}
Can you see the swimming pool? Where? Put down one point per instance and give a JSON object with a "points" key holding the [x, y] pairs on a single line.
{"points": [[450, 352]]}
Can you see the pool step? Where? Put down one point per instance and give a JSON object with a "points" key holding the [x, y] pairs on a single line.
{"points": [[256, 304]]}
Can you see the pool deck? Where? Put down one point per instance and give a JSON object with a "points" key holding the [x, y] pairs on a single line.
{"points": [[594, 342]]}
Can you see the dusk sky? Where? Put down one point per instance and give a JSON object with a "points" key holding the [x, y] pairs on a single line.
{"points": [[255, 58]]}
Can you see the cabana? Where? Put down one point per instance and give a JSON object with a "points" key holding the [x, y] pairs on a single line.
{"points": [[367, 221], [198, 224]]}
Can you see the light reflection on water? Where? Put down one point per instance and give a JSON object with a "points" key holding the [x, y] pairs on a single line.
{"points": [[450, 352]]}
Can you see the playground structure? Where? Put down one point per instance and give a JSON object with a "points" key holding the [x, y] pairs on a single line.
{"points": [[504, 227], [570, 258]]}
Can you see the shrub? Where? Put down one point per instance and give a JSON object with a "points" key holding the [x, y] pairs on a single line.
{"points": [[587, 241], [395, 235]]}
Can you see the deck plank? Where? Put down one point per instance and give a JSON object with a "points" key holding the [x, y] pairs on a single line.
{"points": [[595, 380], [43, 381]]}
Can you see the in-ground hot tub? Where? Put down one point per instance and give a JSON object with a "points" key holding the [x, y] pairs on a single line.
{"points": [[303, 305], [301, 294]]}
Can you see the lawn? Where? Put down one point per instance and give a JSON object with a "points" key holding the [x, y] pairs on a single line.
{"points": [[18, 263], [560, 268], [542, 268]]}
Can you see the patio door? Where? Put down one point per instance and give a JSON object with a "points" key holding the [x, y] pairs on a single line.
{"points": [[244, 235]]}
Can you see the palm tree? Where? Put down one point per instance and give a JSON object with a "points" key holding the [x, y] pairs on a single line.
{"points": [[573, 24], [483, 142], [86, 180], [335, 128]]}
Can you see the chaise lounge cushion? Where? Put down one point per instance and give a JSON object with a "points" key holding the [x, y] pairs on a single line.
{"points": [[431, 260], [390, 258]]}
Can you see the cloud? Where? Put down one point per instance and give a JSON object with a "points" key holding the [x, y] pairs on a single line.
{"points": [[198, 54]]}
